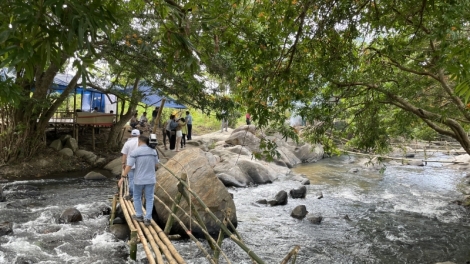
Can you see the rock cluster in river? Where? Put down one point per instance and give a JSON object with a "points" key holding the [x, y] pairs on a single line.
{"points": [[68, 146]]}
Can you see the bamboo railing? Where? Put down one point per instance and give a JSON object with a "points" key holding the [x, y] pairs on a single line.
{"points": [[155, 242]]}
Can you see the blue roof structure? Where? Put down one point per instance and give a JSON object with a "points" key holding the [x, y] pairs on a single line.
{"points": [[152, 96]]}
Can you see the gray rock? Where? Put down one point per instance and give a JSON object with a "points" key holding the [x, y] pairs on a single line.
{"points": [[245, 128], [229, 180], [262, 201], [100, 162], [301, 178], [72, 144], [298, 193], [353, 170], [90, 157], [315, 219], [120, 231], [70, 215], [118, 220], [319, 195], [203, 182], [346, 217], [414, 162], [195, 143], [93, 175], [279, 199], [2, 197], [56, 144], [115, 166], [6, 228], [64, 138], [299, 212], [410, 155], [242, 138], [66, 152], [257, 172]]}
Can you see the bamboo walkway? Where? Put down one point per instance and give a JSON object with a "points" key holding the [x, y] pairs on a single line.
{"points": [[155, 242]]}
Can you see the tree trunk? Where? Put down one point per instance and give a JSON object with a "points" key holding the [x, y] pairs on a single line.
{"points": [[113, 141]]}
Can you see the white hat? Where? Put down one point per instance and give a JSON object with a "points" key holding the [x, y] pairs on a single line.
{"points": [[135, 132]]}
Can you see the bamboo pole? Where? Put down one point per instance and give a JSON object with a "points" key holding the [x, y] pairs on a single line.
{"points": [[195, 222], [217, 220], [168, 244], [293, 252], [148, 235], [196, 215], [113, 210], [139, 231], [167, 248], [133, 245], [174, 207], [220, 239], [199, 245]]}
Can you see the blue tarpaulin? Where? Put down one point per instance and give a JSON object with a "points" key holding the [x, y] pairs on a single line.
{"points": [[92, 98]]}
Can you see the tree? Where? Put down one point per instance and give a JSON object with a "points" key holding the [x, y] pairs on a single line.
{"points": [[37, 40], [382, 66]]}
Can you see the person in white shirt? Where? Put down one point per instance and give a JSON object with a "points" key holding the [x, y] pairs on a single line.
{"points": [[130, 145]]}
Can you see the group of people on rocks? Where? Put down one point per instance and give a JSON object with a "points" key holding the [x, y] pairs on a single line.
{"points": [[177, 130]]}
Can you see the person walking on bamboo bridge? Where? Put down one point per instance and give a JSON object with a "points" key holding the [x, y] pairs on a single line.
{"points": [[145, 160], [131, 144]]}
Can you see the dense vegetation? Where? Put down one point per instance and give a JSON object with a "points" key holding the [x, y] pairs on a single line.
{"points": [[385, 68]]}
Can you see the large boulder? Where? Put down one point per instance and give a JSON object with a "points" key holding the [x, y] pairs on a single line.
{"points": [[120, 231], [203, 181], [93, 175], [72, 144], [243, 138], [66, 152], [56, 144], [70, 215], [255, 171], [115, 166], [100, 162], [6, 228]]}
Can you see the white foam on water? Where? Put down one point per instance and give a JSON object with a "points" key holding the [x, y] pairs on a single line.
{"points": [[47, 208], [24, 248], [2, 257], [66, 257], [104, 242]]}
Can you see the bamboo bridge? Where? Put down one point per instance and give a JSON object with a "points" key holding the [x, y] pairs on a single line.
{"points": [[156, 242]]}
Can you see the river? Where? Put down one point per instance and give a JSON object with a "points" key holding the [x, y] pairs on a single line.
{"points": [[403, 215]]}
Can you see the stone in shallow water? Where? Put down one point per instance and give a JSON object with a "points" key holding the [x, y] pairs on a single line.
{"points": [[299, 212], [70, 215]]}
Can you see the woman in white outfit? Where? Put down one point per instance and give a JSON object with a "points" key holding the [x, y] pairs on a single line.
{"points": [[179, 133]]}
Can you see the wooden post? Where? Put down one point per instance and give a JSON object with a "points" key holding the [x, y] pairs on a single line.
{"points": [[113, 210], [133, 244], [93, 137], [155, 123], [174, 208]]}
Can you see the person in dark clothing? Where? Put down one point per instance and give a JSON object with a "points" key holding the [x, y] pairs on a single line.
{"points": [[173, 126], [189, 124]]}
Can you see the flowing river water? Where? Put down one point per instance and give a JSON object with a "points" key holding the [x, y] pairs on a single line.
{"points": [[404, 215]]}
